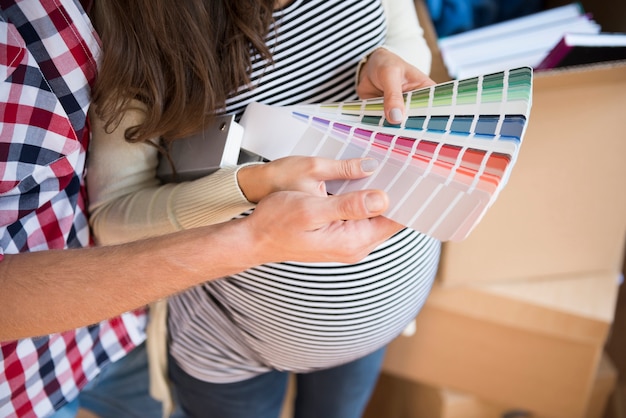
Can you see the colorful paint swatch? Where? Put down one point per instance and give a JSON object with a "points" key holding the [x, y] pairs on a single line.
{"points": [[442, 167]]}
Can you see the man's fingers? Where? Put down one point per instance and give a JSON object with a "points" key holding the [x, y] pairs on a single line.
{"points": [[357, 205]]}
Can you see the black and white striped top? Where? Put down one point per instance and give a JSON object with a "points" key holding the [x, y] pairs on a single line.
{"points": [[293, 316]]}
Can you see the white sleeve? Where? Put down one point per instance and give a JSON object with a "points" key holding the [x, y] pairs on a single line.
{"points": [[405, 35], [128, 202]]}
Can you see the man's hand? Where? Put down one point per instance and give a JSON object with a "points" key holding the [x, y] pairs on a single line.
{"points": [[297, 226]]}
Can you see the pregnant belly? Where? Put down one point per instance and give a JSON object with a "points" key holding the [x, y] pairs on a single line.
{"points": [[301, 317]]}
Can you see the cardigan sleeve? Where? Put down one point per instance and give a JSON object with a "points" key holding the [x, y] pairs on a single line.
{"points": [[128, 202], [405, 36]]}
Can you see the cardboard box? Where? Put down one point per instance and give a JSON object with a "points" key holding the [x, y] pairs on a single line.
{"points": [[563, 210], [617, 403], [616, 345], [574, 223], [400, 398], [531, 345], [603, 386]]}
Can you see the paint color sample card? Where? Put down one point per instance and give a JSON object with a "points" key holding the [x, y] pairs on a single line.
{"points": [[442, 167]]}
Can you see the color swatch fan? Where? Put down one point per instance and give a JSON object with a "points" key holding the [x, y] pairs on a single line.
{"points": [[442, 168]]}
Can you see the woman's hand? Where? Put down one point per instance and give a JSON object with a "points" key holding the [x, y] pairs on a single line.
{"points": [[296, 173], [386, 74]]}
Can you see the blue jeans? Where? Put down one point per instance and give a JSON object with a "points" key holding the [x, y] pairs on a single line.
{"points": [[337, 392], [121, 390]]}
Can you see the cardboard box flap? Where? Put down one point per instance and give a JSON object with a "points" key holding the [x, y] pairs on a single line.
{"points": [[590, 296], [579, 309]]}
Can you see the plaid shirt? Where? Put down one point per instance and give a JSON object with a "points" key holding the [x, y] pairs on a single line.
{"points": [[48, 53]]}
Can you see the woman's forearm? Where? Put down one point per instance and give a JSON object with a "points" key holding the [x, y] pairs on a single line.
{"points": [[52, 291]]}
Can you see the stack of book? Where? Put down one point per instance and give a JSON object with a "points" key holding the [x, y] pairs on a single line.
{"points": [[552, 38], [580, 48]]}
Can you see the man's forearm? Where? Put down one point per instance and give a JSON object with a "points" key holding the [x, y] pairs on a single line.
{"points": [[52, 291]]}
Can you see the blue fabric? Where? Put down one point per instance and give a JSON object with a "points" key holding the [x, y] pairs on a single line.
{"points": [[337, 392], [121, 390], [69, 410], [455, 16]]}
